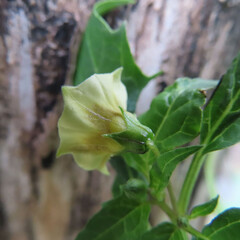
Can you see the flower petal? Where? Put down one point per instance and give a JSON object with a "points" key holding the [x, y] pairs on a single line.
{"points": [[91, 110], [91, 161]]}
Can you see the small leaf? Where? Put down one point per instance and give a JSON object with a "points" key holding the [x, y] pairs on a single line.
{"points": [[164, 231], [192, 84], [104, 49], [225, 226], [162, 169], [204, 209], [177, 113], [221, 117], [119, 219]]}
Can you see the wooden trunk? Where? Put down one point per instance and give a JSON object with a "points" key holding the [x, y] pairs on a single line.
{"points": [[45, 198]]}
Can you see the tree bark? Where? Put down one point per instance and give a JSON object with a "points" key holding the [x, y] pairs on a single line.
{"points": [[46, 198], [41, 197]]}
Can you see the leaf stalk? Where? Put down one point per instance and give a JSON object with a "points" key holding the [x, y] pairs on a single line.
{"points": [[190, 181], [195, 232], [172, 198]]}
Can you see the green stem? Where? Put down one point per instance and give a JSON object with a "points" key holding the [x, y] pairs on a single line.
{"points": [[153, 147], [195, 232], [190, 181], [167, 210], [171, 214], [172, 198], [209, 172], [184, 233], [130, 174], [197, 162]]}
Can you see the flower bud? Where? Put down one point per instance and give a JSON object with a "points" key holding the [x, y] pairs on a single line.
{"points": [[135, 189]]}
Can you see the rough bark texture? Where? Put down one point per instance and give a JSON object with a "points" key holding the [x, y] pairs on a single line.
{"points": [[41, 197], [46, 198]]}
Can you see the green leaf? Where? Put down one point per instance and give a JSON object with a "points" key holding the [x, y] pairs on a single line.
{"points": [[104, 50], [162, 169], [192, 84], [164, 231], [177, 112], [225, 226], [177, 119], [204, 209], [138, 162], [221, 117], [120, 219]]}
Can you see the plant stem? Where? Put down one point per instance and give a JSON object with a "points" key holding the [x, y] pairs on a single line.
{"points": [[198, 160], [167, 210], [209, 172], [195, 232], [189, 182], [172, 198], [153, 147], [184, 233]]}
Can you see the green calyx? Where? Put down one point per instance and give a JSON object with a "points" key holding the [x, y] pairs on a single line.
{"points": [[136, 138]]}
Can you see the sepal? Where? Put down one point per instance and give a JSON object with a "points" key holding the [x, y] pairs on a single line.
{"points": [[136, 138]]}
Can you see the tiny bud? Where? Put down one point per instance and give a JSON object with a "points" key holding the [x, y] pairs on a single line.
{"points": [[135, 189]]}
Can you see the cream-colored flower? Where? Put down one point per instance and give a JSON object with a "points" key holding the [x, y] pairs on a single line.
{"points": [[93, 116]]}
